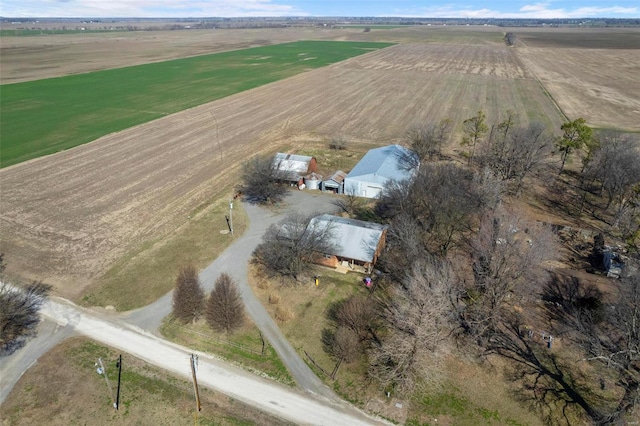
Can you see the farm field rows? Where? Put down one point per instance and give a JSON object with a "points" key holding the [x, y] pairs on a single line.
{"points": [[69, 216], [584, 83], [46, 56], [45, 116]]}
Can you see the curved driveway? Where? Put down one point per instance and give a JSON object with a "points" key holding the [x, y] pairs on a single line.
{"points": [[234, 261]]}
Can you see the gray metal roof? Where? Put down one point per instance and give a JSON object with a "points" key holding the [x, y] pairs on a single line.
{"points": [[352, 239], [292, 162], [336, 178], [384, 163]]}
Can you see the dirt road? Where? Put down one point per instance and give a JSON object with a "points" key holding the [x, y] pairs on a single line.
{"points": [[268, 396]]}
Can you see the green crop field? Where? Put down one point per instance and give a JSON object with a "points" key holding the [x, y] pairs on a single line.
{"points": [[46, 116]]}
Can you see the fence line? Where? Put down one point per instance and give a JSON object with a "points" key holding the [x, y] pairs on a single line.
{"points": [[313, 361]]}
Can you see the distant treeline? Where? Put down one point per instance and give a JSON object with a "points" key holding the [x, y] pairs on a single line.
{"points": [[141, 24]]}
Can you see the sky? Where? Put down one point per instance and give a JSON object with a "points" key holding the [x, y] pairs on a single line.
{"points": [[242, 8]]}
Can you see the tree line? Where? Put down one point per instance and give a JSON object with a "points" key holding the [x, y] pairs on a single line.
{"points": [[460, 263]]}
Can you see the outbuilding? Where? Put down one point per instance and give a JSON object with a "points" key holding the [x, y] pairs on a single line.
{"points": [[295, 167], [379, 166], [335, 183]]}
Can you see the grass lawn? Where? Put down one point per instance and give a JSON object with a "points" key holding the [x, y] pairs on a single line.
{"points": [[306, 305], [243, 347], [46, 116], [63, 388], [145, 275]]}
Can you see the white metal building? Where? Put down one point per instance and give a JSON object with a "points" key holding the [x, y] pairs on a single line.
{"points": [[379, 166]]}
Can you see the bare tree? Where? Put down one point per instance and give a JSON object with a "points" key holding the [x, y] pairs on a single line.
{"points": [[507, 255], [406, 241], [262, 180], [342, 344], [418, 316], [358, 314], [559, 391], [225, 310], [427, 140], [348, 202], [615, 165], [188, 296], [439, 206], [607, 328], [513, 153], [19, 314], [510, 39], [293, 243], [338, 143], [354, 324]]}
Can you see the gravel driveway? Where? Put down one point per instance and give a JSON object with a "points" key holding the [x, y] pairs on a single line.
{"points": [[234, 261]]}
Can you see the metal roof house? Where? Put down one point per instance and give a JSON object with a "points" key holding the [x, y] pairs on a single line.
{"points": [[379, 166], [354, 241], [295, 166]]}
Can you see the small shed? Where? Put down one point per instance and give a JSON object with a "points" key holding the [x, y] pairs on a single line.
{"points": [[354, 241], [379, 166], [335, 183]]}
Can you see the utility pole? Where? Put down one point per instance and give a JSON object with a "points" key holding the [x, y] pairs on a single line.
{"points": [[194, 361], [231, 216], [119, 365]]}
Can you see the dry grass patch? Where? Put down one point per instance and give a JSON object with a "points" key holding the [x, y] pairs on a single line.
{"points": [[143, 276], [308, 305], [472, 394], [274, 299], [245, 347], [63, 388], [329, 159]]}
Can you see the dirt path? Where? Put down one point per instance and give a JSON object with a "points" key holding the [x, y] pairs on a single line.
{"points": [[234, 261]]}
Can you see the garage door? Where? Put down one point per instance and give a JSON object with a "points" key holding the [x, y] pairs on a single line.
{"points": [[372, 191]]}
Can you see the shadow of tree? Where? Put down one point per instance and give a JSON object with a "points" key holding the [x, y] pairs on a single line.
{"points": [[543, 379]]}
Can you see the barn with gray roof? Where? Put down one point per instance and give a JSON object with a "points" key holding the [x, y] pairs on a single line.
{"points": [[379, 166]]}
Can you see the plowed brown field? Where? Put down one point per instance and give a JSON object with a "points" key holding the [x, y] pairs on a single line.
{"points": [[599, 85], [69, 216], [590, 73]]}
